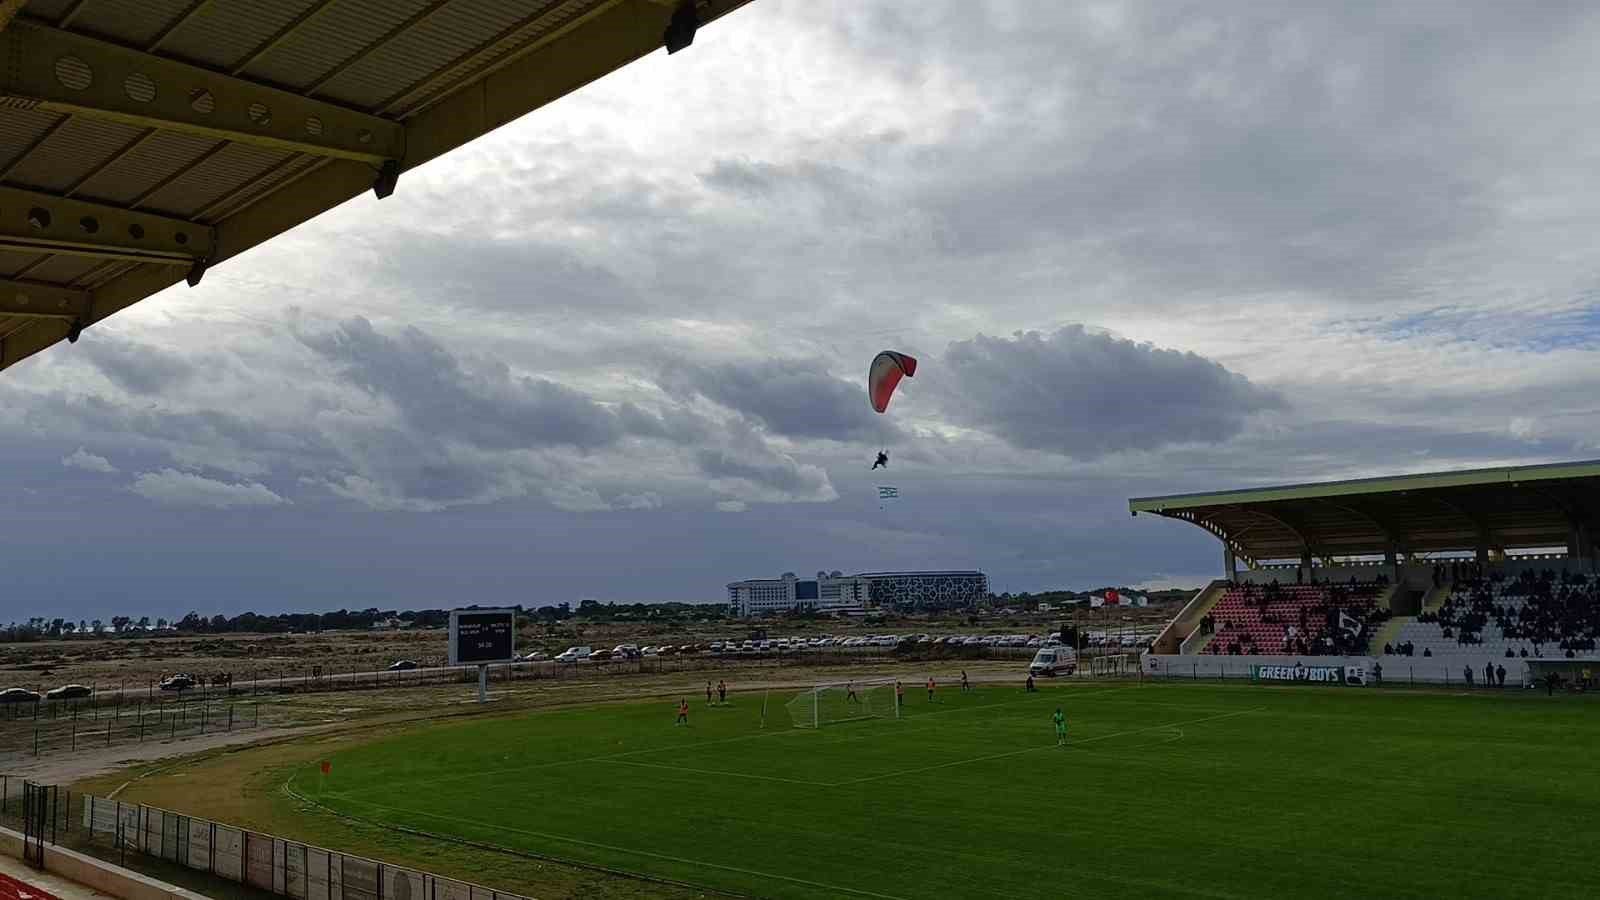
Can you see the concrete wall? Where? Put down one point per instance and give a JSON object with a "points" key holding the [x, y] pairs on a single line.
{"points": [[97, 874], [284, 867], [1396, 669], [1185, 622]]}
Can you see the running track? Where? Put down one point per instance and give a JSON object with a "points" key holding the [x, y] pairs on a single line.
{"points": [[12, 889]]}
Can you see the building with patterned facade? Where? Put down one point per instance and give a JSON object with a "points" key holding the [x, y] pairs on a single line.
{"points": [[911, 591], [837, 592]]}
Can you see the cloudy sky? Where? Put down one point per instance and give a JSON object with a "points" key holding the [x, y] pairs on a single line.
{"points": [[616, 349]]}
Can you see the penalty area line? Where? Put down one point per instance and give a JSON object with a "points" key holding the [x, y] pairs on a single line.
{"points": [[664, 857], [1011, 753], [645, 765]]}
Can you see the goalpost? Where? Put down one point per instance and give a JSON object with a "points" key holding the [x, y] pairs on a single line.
{"points": [[845, 701], [1112, 666]]}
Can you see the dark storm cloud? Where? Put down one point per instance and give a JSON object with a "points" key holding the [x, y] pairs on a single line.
{"points": [[483, 404], [745, 467], [766, 472], [1218, 147], [522, 274], [866, 175], [764, 179], [794, 398], [1089, 395], [134, 367]]}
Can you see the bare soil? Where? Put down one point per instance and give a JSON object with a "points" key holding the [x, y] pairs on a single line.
{"points": [[136, 661]]}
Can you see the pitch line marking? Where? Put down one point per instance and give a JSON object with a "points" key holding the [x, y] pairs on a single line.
{"points": [[614, 849], [645, 765], [468, 776], [1010, 753]]}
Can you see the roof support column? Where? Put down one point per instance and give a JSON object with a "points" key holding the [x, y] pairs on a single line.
{"points": [[1230, 562], [1581, 545]]}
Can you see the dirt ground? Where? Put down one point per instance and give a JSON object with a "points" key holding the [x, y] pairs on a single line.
{"points": [[295, 716], [132, 663]]}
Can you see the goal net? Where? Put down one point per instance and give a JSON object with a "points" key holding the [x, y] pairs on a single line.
{"points": [[844, 701], [1113, 666]]}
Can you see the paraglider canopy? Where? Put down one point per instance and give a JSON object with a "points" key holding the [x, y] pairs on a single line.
{"points": [[884, 376]]}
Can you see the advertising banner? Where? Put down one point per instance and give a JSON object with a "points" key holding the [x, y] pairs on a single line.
{"points": [[1345, 675]]}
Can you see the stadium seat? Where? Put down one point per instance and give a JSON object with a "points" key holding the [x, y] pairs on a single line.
{"points": [[1541, 614], [1241, 613]]}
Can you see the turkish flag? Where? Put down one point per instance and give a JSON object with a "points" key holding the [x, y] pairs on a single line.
{"points": [[326, 767]]}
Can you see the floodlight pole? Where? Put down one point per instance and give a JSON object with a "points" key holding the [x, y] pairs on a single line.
{"points": [[483, 684]]}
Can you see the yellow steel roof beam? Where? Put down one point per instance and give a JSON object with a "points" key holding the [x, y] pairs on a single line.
{"points": [[32, 299], [71, 73], [45, 223]]}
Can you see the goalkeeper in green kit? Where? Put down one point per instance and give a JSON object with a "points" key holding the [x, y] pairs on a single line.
{"points": [[1061, 727]]}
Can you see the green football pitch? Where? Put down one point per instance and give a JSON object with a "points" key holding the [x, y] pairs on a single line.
{"points": [[1175, 790]]}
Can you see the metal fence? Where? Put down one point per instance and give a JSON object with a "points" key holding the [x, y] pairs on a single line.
{"points": [[86, 726], [22, 808], [284, 867]]}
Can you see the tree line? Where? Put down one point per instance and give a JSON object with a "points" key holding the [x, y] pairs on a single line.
{"points": [[42, 628]]}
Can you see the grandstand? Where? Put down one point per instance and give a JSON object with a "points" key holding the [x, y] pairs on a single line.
{"points": [[1464, 570], [1537, 614], [1293, 619]]}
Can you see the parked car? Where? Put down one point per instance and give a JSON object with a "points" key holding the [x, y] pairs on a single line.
{"points": [[402, 665], [600, 655], [574, 654], [70, 692], [19, 695], [536, 656], [177, 683]]}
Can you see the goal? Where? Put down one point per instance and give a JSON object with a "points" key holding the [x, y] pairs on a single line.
{"points": [[1113, 666], [845, 701]]}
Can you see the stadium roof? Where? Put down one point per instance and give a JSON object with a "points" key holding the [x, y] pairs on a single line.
{"points": [[1502, 509], [142, 141]]}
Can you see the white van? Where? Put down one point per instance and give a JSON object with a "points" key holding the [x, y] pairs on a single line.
{"points": [[573, 654], [1053, 661]]}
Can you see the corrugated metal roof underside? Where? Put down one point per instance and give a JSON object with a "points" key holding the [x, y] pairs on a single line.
{"points": [[135, 23], [1505, 514], [389, 57]]}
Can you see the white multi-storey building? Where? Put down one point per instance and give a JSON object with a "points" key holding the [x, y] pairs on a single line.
{"points": [[828, 592]]}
